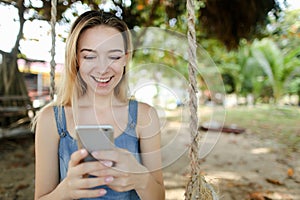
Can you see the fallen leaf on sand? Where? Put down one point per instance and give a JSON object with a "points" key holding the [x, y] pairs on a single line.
{"points": [[22, 186], [290, 172], [257, 196], [274, 181]]}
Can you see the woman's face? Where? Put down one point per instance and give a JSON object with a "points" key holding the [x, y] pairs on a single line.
{"points": [[101, 58]]}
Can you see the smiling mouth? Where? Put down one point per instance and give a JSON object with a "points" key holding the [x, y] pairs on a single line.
{"points": [[102, 80]]}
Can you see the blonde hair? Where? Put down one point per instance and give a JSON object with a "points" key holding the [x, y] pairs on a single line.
{"points": [[71, 85]]}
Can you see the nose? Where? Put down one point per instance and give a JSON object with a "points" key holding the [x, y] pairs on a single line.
{"points": [[102, 64]]}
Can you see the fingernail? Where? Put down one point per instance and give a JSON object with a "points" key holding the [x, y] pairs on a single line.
{"points": [[102, 192], [107, 163], [82, 151], [109, 179], [95, 154]]}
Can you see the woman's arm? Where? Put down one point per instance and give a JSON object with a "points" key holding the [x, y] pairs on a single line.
{"points": [[150, 142], [46, 154], [47, 185]]}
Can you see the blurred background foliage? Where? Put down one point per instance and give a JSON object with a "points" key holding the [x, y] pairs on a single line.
{"points": [[254, 44]]}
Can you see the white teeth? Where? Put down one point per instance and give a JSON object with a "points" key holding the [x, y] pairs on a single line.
{"points": [[102, 80]]}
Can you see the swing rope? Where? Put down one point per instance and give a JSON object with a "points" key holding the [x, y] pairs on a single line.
{"points": [[192, 67], [53, 34], [197, 187]]}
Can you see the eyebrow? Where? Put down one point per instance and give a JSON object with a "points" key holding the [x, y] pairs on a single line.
{"points": [[115, 50], [89, 50], [110, 51]]}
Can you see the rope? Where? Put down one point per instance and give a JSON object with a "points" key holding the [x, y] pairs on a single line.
{"points": [[197, 187], [53, 34], [192, 67], [193, 101]]}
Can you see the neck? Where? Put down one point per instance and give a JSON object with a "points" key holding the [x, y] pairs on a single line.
{"points": [[98, 101]]}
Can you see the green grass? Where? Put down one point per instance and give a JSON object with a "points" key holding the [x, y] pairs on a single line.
{"points": [[267, 122]]}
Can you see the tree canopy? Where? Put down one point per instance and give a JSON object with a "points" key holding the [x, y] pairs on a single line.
{"points": [[227, 20], [231, 20]]}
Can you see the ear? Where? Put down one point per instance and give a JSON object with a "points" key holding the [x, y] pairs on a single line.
{"points": [[127, 58]]}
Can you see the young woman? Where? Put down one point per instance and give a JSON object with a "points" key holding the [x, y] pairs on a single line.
{"points": [[94, 91]]}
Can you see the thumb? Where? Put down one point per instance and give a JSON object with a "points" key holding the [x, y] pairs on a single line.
{"points": [[77, 157]]}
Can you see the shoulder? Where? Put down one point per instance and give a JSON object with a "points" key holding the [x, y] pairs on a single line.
{"points": [[148, 118], [45, 119], [46, 113], [146, 110], [46, 134]]}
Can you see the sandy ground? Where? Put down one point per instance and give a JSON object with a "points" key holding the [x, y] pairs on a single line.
{"points": [[240, 167]]}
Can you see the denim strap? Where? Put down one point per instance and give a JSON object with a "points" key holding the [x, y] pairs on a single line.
{"points": [[60, 119], [132, 114]]}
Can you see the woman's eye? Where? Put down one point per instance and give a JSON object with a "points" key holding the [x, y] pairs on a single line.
{"points": [[115, 57], [89, 57]]}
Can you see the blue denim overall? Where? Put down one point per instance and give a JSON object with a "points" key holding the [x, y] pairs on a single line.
{"points": [[127, 140]]}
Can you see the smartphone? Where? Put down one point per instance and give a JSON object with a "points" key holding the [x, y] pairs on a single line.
{"points": [[95, 138]]}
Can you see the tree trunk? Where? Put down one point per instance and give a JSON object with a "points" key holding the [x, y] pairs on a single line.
{"points": [[11, 82], [13, 90]]}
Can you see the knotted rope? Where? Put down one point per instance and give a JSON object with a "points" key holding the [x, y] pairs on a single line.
{"points": [[53, 34], [197, 187]]}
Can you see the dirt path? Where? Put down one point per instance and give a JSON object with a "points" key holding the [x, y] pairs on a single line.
{"points": [[17, 168], [241, 167]]}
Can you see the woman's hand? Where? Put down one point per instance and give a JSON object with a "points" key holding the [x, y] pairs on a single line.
{"points": [[126, 174], [77, 185]]}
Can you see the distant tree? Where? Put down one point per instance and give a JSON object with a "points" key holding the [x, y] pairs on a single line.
{"points": [[276, 64], [286, 31], [294, 86], [232, 20]]}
